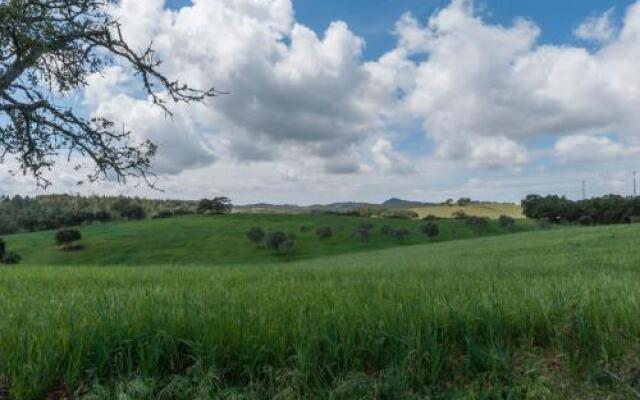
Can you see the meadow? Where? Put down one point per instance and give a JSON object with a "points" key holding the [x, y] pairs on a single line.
{"points": [[221, 239], [532, 315]]}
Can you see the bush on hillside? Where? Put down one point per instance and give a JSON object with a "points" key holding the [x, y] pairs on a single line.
{"points": [[66, 237], [366, 226], [386, 230], [400, 234], [102, 216], [361, 235], [133, 212], [400, 214], [10, 258], [634, 219], [460, 215], [478, 224], [324, 232], [256, 235], [286, 247], [507, 222], [218, 205], [431, 229], [274, 239], [430, 217], [3, 248]]}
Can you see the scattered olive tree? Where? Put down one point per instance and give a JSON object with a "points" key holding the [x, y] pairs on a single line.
{"points": [[8, 257], [218, 205], [478, 224], [256, 235], [431, 229], [279, 242], [507, 222], [66, 238], [324, 232], [400, 234]]}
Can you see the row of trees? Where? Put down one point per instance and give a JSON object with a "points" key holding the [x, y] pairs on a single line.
{"points": [[610, 209], [29, 214]]}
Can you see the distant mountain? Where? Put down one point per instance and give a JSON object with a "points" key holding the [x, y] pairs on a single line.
{"points": [[400, 203]]}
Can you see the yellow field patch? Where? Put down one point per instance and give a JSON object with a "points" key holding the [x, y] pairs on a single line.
{"points": [[480, 210]]}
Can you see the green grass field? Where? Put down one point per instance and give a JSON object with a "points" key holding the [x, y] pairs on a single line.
{"points": [[207, 240], [533, 315]]}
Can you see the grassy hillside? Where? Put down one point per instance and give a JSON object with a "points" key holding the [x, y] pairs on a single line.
{"points": [[209, 240], [489, 210], [538, 315]]}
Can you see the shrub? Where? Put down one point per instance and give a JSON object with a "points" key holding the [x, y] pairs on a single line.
{"points": [[256, 235], [324, 232], [286, 247], [10, 258], [386, 230], [65, 237], [133, 212], [304, 229], [366, 226], [634, 219], [478, 224], [430, 229], [430, 217], [274, 239], [585, 220], [460, 215], [507, 222], [163, 214], [361, 235], [400, 214], [401, 234], [545, 224], [3, 248], [103, 216]]}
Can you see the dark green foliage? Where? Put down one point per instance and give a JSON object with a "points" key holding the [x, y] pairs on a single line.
{"points": [[10, 258], [507, 222], [463, 201], [324, 232], [133, 212], [430, 217], [479, 225], [361, 235], [431, 229], [366, 226], [460, 215], [400, 234], [292, 236], [386, 230], [65, 237], [610, 209], [256, 234], [163, 214], [3, 248], [218, 205], [585, 220], [273, 240], [103, 216], [286, 246], [400, 214], [304, 229]]}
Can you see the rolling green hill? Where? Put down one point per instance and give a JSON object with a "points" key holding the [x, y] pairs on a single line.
{"points": [[535, 315], [207, 240]]}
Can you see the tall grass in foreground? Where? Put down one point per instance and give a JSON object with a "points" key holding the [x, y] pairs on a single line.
{"points": [[502, 317]]}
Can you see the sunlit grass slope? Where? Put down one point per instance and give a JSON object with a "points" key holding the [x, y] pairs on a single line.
{"points": [[207, 240], [489, 210], [538, 315]]}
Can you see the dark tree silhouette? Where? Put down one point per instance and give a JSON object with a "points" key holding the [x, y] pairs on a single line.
{"points": [[48, 48]]}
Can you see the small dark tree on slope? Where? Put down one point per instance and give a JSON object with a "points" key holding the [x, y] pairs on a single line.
{"points": [[507, 222], [66, 238], [3, 249], [431, 229], [256, 235], [324, 232]]}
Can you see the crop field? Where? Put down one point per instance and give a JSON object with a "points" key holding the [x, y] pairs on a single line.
{"points": [[489, 210], [532, 315]]}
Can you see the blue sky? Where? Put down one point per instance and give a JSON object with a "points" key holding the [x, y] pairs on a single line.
{"points": [[374, 19]]}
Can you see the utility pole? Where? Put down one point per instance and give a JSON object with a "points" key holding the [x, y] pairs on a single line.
{"points": [[635, 184], [584, 190]]}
